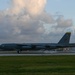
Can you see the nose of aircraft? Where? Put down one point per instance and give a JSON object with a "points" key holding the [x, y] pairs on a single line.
{"points": [[0, 46]]}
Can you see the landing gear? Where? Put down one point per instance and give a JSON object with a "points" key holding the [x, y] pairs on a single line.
{"points": [[18, 51]]}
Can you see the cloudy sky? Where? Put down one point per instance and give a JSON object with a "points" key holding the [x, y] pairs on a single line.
{"points": [[24, 21]]}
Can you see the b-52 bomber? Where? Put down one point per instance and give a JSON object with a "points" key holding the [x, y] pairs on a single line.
{"points": [[63, 43]]}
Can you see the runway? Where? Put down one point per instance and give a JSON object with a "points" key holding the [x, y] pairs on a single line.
{"points": [[35, 53], [52, 54]]}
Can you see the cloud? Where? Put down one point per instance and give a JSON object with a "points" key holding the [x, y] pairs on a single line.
{"points": [[31, 7], [62, 23], [24, 22], [58, 28]]}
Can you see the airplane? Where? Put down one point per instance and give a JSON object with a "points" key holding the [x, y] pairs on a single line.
{"points": [[63, 43]]}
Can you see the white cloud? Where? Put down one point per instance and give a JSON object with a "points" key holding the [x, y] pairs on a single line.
{"points": [[25, 20], [62, 23], [32, 7]]}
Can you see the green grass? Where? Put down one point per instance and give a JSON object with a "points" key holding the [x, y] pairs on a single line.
{"points": [[37, 65]]}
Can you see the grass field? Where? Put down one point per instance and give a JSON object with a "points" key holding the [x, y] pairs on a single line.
{"points": [[37, 65]]}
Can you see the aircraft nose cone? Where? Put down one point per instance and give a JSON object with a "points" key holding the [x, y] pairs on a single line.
{"points": [[1, 47]]}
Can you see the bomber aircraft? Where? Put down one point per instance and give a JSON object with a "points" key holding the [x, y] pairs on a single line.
{"points": [[63, 43]]}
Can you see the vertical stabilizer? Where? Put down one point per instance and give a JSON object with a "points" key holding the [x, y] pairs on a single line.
{"points": [[65, 39]]}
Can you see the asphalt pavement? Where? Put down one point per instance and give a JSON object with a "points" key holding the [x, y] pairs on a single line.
{"points": [[34, 53]]}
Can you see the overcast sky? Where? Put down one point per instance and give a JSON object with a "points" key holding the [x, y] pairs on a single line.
{"points": [[23, 21]]}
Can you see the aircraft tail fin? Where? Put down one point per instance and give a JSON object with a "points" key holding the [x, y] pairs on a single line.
{"points": [[65, 39]]}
